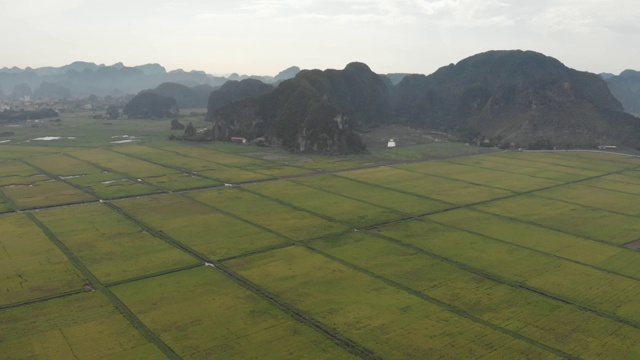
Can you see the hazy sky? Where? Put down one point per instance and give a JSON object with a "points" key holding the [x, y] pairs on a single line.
{"points": [[265, 36]]}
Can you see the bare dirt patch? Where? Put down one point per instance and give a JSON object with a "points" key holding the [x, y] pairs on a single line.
{"points": [[634, 245]]}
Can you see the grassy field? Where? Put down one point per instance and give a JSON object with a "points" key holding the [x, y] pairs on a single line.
{"points": [[136, 247]]}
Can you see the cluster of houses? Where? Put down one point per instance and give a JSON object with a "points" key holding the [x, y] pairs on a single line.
{"points": [[27, 104]]}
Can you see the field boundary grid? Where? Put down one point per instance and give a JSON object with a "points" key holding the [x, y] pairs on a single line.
{"points": [[298, 315], [113, 299]]}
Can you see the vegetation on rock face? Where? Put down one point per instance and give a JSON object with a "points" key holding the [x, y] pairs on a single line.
{"points": [[186, 97], [626, 88], [498, 97], [317, 111], [150, 104], [234, 91], [516, 96]]}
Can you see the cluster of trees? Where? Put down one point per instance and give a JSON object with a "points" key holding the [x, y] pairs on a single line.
{"points": [[22, 115]]}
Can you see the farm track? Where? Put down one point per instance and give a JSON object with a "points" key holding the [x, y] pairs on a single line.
{"points": [[300, 316]]}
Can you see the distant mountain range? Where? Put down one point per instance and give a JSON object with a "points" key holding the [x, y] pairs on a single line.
{"points": [[83, 79], [502, 97]]}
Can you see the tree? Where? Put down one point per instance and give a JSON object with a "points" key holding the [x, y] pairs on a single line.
{"points": [[176, 125], [112, 112], [190, 131]]}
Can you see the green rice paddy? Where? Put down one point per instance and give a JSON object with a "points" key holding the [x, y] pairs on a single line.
{"points": [[158, 249]]}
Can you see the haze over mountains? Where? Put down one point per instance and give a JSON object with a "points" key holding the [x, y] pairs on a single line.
{"points": [[85, 78], [504, 97], [626, 88]]}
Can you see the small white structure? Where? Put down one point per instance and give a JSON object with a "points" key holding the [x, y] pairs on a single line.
{"points": [[391, 143]]}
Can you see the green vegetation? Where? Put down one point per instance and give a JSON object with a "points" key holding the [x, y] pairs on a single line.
{"points": [[200, 227], [112, 247], [229, 251], [339, 208], [272, 215], [84, 326], [31, 266], [358, 306], [432, 187], [543, 320], [207, 315]]}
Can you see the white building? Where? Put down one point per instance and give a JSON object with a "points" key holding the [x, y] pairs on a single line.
{"points": [[391, 143]]}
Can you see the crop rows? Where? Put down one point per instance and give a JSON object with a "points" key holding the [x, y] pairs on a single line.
{"points": [[141, 251]]}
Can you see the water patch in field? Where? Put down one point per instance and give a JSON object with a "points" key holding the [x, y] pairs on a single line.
{"points": [[126, 139], [4, 141], [71, 176], [49, 138]]}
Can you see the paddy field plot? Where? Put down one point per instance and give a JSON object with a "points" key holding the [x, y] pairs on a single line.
{"points": [[541, 320], [568, 160], [45, 192], [337, 207], [202, 228], [592, 223], [497, 179], [453, 192], [572, 247], [617, 182], [598, 290], [206, 315], [269, 214], [376, 195], [82, 326], [31, 265], [385, 319], [611, 200], [562, 172], [111, 246], [113, 161], [230, 251], [27, 188], [519, 167]]}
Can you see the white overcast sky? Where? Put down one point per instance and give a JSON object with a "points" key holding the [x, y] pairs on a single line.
{"points": [[265, 36]]}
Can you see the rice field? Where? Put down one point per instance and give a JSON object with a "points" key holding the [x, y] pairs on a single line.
{"points": [[166, 250]]}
